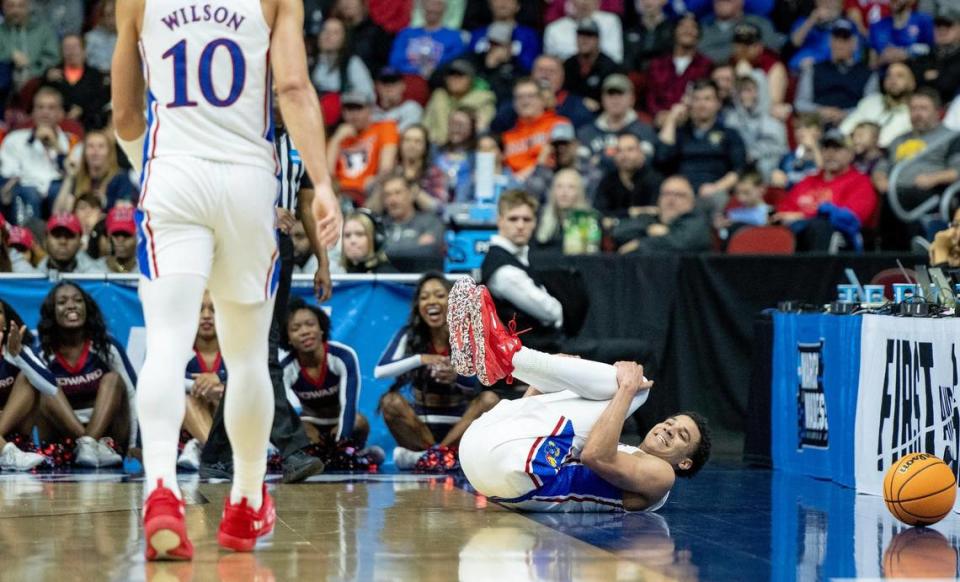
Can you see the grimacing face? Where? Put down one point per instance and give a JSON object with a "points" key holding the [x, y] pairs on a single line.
{"points": [[673, 440]]}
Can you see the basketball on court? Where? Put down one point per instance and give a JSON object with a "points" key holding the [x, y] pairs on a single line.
{"points": [[919, 489]]}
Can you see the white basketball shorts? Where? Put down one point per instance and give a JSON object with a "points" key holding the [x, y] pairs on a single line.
{"points": [[216, 220]]}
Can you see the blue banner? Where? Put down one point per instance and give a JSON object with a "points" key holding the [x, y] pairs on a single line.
{"points": [[816, 368], [364, 315]]}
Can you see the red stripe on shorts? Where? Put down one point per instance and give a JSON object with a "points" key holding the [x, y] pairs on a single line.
{"points": [[273, 264], [533, 450]]}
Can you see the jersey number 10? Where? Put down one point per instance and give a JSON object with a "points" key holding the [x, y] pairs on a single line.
{"points": [[178, 53]]}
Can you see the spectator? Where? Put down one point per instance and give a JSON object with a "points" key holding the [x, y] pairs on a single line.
{"points": [[929, 152], [698, 146], [85, 90], [704, 8], [88, 211], [455, 159], [945, 250], [23, 250], [98, 173], [561, 153], [367, 39], [836, 199], [452, 14], [24, 378], [503, 178], [26, 41], [902, 35], [102, 38], [889, 109], [305, 261], [363, 238], [206, 382], [516, 288], [864, 13], [391, 105], [764, 136], [460, 89], [324, 376], [833, 87], [548, 74], [631, 185], [498, 66], [940, 68], [866, 148], [717, 38], [361, 149], [617, 117], [805, 159], [522, 143], [442, 404], [65, 17], [810, 36], [122, 230], [338, 71], [567, 195], [670, 75], [724, 78], [409, 232], [559, 38], [750, 55], [557, 10], [586, 70], [650, 38], [427, 180], [423, 50], [31, 160], [95, 404], [747, 208], [676, 226], [63, 248], [522, 42]]}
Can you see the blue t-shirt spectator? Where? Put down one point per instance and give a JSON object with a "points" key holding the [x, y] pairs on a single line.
{"points": [[915, 38], [816, 46], [525, 44], [418, 51]]}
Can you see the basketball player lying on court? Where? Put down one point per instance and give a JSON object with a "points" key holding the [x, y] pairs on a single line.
{"points": [[557, 448]]}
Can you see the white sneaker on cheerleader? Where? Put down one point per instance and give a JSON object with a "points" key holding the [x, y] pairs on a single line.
{"points": [[405, 459], [190, 456], [106, 454], [13, 459], [85, 455]]}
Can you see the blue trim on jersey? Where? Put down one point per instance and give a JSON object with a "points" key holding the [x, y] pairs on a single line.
{"points": [[348, 412], [275, 276], [151, 100], [124, 360], [550, 453], [573, 482], [390, 355], [143, 253]]}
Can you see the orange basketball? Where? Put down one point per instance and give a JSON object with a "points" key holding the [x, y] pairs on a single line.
{"points": [[919, 553], [919, 489]]}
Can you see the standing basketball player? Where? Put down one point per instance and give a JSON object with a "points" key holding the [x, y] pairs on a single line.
{"points": [[205, 218]]}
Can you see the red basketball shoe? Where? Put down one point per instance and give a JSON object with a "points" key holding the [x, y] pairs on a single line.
{"points": [[241, 525], [164, 526], [480, 343]]}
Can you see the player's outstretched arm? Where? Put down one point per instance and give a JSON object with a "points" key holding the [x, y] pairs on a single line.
{"points": [[127, 87], [645, 476], [301, 114]]}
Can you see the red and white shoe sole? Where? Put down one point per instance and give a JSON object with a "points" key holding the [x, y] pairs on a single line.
{"points": [[167, 539]]}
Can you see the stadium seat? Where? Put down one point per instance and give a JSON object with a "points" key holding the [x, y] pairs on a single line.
{"points": [[762, 240], [889, 277]]}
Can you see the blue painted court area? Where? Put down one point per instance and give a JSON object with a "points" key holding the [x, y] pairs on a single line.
{"points": [[729, 523]]}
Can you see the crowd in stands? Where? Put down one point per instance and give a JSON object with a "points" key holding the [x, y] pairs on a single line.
{"points": [[800, 113]]}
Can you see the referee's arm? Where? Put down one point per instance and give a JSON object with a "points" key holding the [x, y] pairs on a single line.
{"points": [[322, 285]]}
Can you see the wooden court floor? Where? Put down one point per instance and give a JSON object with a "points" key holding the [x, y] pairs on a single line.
{"points": [[381, 527]]}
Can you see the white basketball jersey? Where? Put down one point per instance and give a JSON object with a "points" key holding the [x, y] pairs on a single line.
{"points": [[208, 78]]}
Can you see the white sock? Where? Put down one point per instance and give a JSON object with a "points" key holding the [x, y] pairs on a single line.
{"points": [[549, 373], [243, 330], [171, 309]]}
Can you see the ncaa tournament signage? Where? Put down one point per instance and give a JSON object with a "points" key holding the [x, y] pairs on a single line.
{"points": [[907, 399]]}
